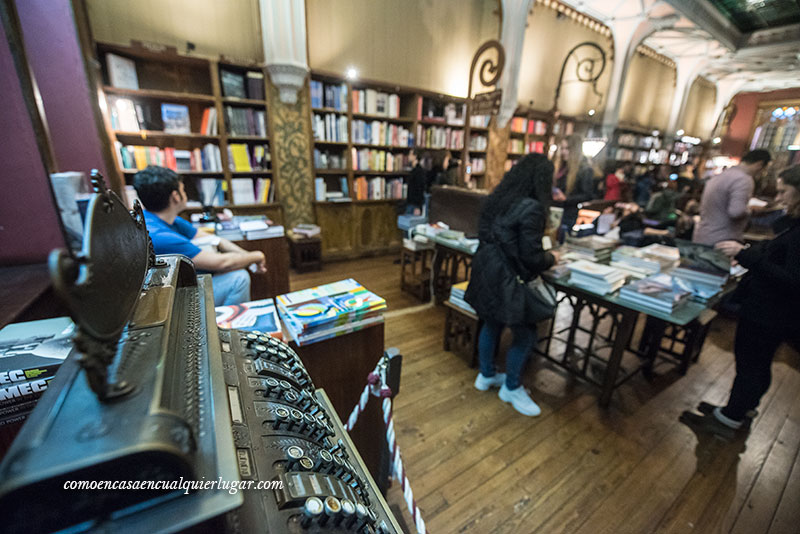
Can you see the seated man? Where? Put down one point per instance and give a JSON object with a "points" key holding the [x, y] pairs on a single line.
{"points": [[162, 193]]}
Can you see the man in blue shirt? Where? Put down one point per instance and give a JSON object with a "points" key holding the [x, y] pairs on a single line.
{"points": [[162, 193]]}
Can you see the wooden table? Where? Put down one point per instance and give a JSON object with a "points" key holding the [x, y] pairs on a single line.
{"points": [[276, 280], [340, 365]]}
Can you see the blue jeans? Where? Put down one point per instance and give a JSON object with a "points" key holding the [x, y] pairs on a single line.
{"points": [[231, 288], [517, 357]]}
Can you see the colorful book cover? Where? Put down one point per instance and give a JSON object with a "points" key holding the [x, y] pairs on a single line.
{"points": [[326, 290], [175, 118], [335, 309], [33, 350], [341, 330], [258, 315]]}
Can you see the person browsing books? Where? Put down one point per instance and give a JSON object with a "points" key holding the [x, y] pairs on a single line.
{"points": [[723, 206], [574, 182], [162, 193], [510, 230], [768, 294]]}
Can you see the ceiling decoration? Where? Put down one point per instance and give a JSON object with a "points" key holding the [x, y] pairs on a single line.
{"points": [[756, 41], [751, 15]]}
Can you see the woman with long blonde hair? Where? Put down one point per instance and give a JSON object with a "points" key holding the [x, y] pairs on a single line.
{"points": [[573, 179]]}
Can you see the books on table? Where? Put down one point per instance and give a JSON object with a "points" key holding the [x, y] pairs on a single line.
{"points": [[634, 261], [702, 264], [248, 227], [661, 293], [666, 256], [457, 297], [258, 315], [30, 354], [594, 277], [591, 248], [330, 310]]}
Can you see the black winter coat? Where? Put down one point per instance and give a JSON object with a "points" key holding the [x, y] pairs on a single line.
{"points": [[510, 247], [771, 290]]}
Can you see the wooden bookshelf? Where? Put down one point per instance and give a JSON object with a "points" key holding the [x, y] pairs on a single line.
{"points": [[170, 78]]}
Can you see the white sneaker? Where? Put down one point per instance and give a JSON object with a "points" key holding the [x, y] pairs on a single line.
{"points": [[520, 399], [483, 383]]}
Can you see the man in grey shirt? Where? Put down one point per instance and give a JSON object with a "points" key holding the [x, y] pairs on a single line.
{"points": [[723, 208]]}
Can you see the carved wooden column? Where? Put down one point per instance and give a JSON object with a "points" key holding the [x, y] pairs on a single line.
{"points": [[496, 153]]}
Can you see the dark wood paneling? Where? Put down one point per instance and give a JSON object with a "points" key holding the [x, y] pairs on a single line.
{"points": [[276, 280]]}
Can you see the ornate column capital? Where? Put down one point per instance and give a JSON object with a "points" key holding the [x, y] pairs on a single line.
{"points": [[289, 79]]}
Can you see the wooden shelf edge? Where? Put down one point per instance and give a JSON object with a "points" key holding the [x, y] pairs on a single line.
{"points": [[156, 93], [144, 134], [243, 101]]}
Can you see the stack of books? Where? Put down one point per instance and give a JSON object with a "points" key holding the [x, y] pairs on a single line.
{"points": [[593, 248], [635, 262], [306, 230], [457, 297], [258, 316], [661, 293], [594, 277], [30, 355], [248, 227], [703, 269], [328, 311], [667, 257]]}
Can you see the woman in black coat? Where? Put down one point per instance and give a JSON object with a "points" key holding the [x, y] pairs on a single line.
{"points": [[510, 230], [768, 294]]}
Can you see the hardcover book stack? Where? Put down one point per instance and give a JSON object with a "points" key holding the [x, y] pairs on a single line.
{"points": [[594, 277], [667, 257], [30, 355], [258, 316], [661, 293], [328, 311], [703, 269], [248, 227], [592, 248], [457, 297], [635, 262]]}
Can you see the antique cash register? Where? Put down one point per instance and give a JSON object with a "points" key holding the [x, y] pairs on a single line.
{"points": [[160, 422]]}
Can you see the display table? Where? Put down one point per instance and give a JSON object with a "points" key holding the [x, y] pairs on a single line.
{"points": [[623, 316], [415, 272], [452, 263], [340, 365], [276, 280], [306, 252], [461, 329]]}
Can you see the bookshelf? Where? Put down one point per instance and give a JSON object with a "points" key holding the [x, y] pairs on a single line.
{"points": [[638, 145], [204, 118], [529, 132]]}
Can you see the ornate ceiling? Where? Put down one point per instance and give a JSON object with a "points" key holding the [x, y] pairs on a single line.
{"points": [[754, 41]]}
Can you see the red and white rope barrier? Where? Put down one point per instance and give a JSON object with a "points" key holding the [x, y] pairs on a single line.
{"points": [[376, 385]]}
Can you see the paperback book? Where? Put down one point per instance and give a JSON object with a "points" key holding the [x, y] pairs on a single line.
{"points": [[258, 315]]}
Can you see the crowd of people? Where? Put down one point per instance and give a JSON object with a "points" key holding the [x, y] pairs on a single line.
{"points": [[649, 204]]}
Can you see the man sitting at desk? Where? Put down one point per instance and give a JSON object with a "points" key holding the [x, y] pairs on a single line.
{"points": [[162, 192]]}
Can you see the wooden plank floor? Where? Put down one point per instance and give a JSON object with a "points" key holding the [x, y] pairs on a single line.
{"points": [[476, 466]]}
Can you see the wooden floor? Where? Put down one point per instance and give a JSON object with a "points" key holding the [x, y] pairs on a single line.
{"points": [[477, 466]]}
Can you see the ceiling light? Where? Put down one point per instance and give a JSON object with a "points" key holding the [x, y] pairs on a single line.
{"points": [[717, 140], [591, 112], [679, 132]]}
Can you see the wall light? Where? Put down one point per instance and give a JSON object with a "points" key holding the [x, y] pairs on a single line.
{"points": [[351, 73], [591, 112], [592, 147], [680, 133], [717, 140], [793, 147]]}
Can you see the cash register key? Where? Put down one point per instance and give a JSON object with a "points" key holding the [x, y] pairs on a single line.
{"points": [[338, 466], [250, 339], [306, 464], [293, 455], [312, 509], [260, 349], [290, 396], [281, 419], [311, 422], [333, 508], [297, 420], [286, 386], [265, 339], [272, 354], [348, 512], [362, 515]]}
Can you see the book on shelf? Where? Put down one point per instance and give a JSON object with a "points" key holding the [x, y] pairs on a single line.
{"points": [[208, 124], [518, 124], [439, 137], [243, 191], [381, 133], [247, 158], [175, 118], [121, 72], [255, 85], [245, 121], [379, 188], [258, 315], [232, 84], [211, 192], [378, 160], [343, 186], [325, 159], [320, 189], [373, 102], [329, 127], [124, 115], [206, 159]]}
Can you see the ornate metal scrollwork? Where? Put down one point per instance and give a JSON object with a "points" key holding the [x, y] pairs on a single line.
{"points": [[590, 63], [489, 67]]}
